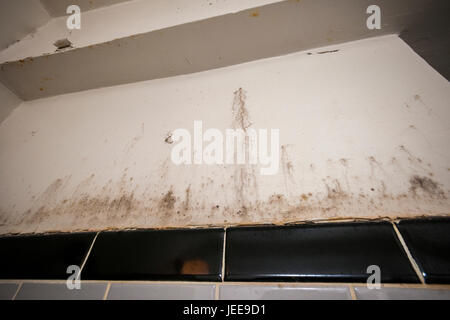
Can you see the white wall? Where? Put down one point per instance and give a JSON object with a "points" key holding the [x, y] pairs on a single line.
{"points": [[364, 133], [8, 101]]}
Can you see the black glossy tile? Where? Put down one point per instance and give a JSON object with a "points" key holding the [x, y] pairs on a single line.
{"points": [[42, 256], [325, 252], [157, 255], [428, 240]]}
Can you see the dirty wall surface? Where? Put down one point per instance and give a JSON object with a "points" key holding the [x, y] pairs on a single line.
{"points": [[364, 133]]}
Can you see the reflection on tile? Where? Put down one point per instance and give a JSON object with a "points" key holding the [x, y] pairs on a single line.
{"points": [[8, 290], [59, 291], [325, 252], [192, 254], [126, 291], [42, 256], [429, 242], [365, 293], [267, 292]]}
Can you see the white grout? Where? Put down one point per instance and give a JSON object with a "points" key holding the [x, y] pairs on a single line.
{"points": [[88, 253], [408, 253], [223, 253]]}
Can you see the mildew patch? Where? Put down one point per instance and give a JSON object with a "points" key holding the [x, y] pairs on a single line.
{"points": [[418, 100], [305, 197], [276, 199], [344, 162], [241, 118], [232, 194], [287, 168], [411, 158], [287, 164], [187, 199], [167, 203], [126, 210], [334, 190], [427, 186]]}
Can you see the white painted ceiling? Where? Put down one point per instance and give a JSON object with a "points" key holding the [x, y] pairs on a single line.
{"points": [[271, 30], [19, 18], [57, 8]]}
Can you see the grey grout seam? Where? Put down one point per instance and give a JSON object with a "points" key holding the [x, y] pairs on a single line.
{"points": [[352, 292], [17, 291], [108, 287], [408, 253], [216, 292], [218, 285]]}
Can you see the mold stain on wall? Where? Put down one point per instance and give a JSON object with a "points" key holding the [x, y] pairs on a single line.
{"points": [[234, 194], [244, 176], [118, 205]]}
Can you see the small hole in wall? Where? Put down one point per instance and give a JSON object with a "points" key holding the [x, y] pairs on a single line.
{"points": [[62, 44]]}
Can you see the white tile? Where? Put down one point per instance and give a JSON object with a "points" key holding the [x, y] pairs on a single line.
{"points": [[365, 293], [283, 292], [129, 291], [59, 291], [7, 290]]}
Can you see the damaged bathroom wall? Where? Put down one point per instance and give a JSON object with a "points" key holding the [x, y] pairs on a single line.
{"points": [[363, 134]]}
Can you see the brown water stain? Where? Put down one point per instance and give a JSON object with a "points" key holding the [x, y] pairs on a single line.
{"points": [[241, 117]]}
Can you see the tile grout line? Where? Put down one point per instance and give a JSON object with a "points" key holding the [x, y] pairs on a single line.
{"points": [[105, 296], [88, 253], [17, 291], [223, 253], [408, 253], [352, 292], [216, 292]]}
